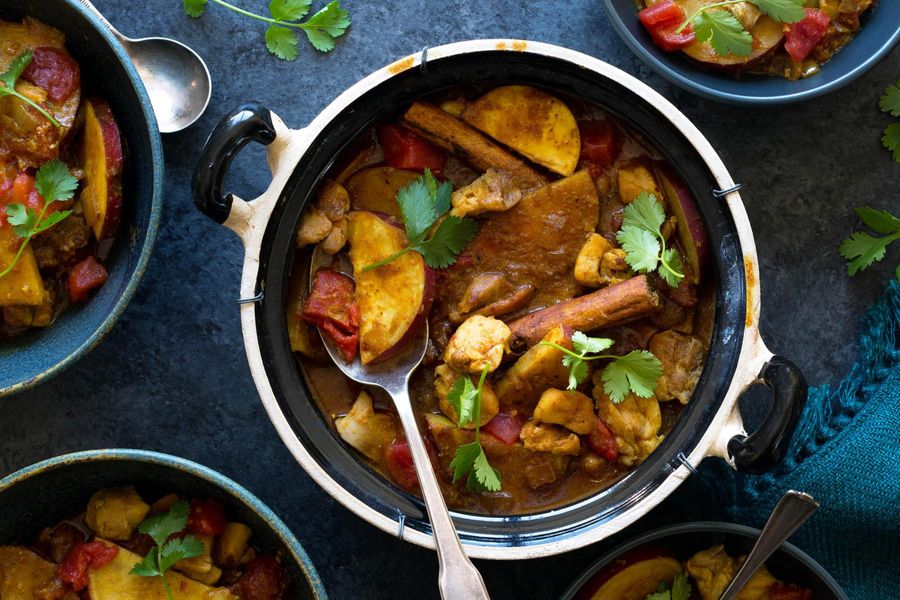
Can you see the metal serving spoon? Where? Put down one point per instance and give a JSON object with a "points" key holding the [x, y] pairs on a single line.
{"points": [[458, 578], [175, 76], [789, 514]]}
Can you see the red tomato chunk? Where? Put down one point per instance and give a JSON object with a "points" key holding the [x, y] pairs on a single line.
{"points": [[505, 427], [85, 276], [264, 579], [661, 20], [602, 441], [803, 36], [207, 517], [83, 556], [780, 591], [399, 462], [55, 71], [332, 306], [599, 142], [403, 149]]}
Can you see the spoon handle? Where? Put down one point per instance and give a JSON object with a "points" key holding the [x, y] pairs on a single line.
{"points": [[458, 578], [792, 510], [87, 4]]}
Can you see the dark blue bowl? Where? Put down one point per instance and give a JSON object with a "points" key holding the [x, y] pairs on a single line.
{"points": [[879, 34], [55, 489], [107, 71]]}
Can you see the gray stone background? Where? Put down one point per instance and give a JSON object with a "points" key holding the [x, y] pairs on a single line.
{"points": [[172, 375]]}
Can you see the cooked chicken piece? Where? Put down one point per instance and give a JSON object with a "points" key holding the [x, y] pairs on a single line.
{"points": [[495, 191], [327, 213], [599, 264], [364, 429], [569, 408], [635, 179], [478, 343], [712, 571], [635, 422], [481, 291], [314, 227], [549, 438], [333, 200], [115, 513], [445, 377], [746, 13], [335, 240], [682, 360], [539, 368]]}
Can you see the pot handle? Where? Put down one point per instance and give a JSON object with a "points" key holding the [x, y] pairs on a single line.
{"points": [[250, 122], [767, 446]]}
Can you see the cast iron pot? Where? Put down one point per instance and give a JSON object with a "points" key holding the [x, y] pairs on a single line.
{"points": [[106, 71], [709, 426], [55, 489], [789, 563]]}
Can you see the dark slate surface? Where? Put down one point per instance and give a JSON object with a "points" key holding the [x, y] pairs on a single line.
{"points": [[172, 375]]}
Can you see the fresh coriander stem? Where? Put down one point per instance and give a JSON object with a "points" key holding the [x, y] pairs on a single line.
{"points": [[484, 373], [31, 103], [662, 259], [25, 241], [247, 13], [690, 19], [166, 586], [578, 356], [383, 261]]}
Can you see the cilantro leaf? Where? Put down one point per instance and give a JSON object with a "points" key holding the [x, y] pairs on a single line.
{"points": [[891, 140], [326, 25], [451, 236], [282, 42], [644, 212], [194, 8], [486, 476], [54, 182], [672, 258], [149, 566], [464, 460], [578, 370], [661, 595], [879, 221], [417, 207], [861, 250], [162, 526], [584, 344], [783, 11], [724, 32], [637, 372], [15, 70], [179, 548], [51, 220], [681, 589], [890, 101], [167, 551], [641, 248], [641, 238], [22, 219], [442, 197], [462, 397], [289, 10]]}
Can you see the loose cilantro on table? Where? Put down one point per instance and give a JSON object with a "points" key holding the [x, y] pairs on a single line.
{"points": [[890, 103], [862, 249], [679, 590], [642, 240], [726, 34], [422, 204], [54, 183], [634, 373], [470, 461], [167, 551], [8, 83], [321, 29]]}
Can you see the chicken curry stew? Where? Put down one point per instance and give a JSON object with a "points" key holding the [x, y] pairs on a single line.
{"points": [[559, 263], [61, 165], [124, 547]]}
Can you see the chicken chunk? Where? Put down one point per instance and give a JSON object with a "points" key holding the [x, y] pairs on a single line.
{"points": [[713, 569], [635, 422], [333, 200], [635, 179], [539, 368], [495, 191], [479, 343], [325, 220], [549, 438], [445, 377], [599, 264], [682, 360], [115, 513], [314, 227], [569, 408], [746, 13], [364, 429], [335, 241]]}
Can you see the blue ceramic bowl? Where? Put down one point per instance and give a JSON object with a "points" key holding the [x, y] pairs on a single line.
{"points": [[55, 489], [106, 70], [879, 34]]}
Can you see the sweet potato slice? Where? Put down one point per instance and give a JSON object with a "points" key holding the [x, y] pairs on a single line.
{"points": [[766, 33], [532, 122], [23, 573], [638, 580], [23, 285], [101, 194], [538, 369], [375, 189]]}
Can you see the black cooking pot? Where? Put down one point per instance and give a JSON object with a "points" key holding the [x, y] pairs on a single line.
{"points": [[710, 424]]}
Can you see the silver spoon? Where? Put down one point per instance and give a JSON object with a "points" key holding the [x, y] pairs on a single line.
{"points": [[176, 78], [789, 514], [458, 579]]}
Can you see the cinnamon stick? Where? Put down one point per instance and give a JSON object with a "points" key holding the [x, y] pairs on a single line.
{"points": [[607, 307]]}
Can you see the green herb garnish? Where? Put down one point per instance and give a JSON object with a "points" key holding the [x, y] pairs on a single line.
{"points": [[422, 203], [635, 373], [679, 590], [890, 103], [8, 83], [641, 238], [726, 34], [167, 551], [862, 249], [321, 29], [54, 183], [470, 461]]}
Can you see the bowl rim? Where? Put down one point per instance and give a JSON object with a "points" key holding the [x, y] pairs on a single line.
{"points": [[699, 527], [205, 473], [143, 259], [713, 93]]}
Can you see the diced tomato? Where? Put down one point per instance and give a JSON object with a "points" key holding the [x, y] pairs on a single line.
{"points": [[602, 441], [670, 40], [347, 343], [399, 462], [505, 427], [801, 37], [207, 517], [263, 579], [332, 306], [599, 142], [85, 276], [780, 591], [661, 20], [403, 149], [83, 556], [661, 13], [55, 71]]}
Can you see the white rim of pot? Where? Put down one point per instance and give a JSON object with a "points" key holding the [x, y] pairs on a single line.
{"points": [[250, 219]]}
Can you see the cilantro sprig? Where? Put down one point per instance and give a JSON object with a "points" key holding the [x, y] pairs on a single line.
{"points": [[54, 183], [422, 204], [726, 34], [679, 590], [644, 244], [862, 249], [321, 29], [470, 461], [11, 76], [167, 551], [634, 373], [890, 103]]}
